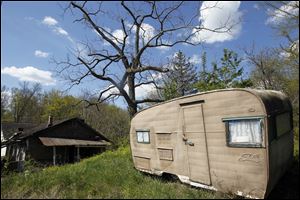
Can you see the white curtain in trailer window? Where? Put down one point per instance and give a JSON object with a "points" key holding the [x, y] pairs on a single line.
{"points": [[245, 131]]}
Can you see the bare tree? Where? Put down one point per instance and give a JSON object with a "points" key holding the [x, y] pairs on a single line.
{"points": [[267, 70], [24, 101], [122, 57], [4, 100], [284, 19]]}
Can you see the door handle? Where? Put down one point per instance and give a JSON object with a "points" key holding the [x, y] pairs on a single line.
{"points": [[186, 141], [189, 143]]}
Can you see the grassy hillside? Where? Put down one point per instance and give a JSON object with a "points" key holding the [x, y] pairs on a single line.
{"points": [[112, 175], [109, 175]]}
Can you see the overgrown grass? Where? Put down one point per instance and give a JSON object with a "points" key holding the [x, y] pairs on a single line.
{"points": [[112, 175], [109, 175]]}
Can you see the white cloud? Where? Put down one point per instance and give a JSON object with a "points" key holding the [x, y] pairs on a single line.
{"points": [[30, 74], [60, 31], [140, 92], [113, 90], [195, 59], [143, 90], [52, 23], [216, 14], [41, 54], [163, 49], [146, 32], [279, 15], [49, 21], [119, 35], [294, 47], [256, 6]]}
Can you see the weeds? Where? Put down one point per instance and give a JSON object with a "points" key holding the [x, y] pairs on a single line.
{"points": [[112, 175]]}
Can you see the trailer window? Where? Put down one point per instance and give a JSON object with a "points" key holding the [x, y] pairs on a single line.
{"points": [[244, 132], [283, 124], [143, 136]]}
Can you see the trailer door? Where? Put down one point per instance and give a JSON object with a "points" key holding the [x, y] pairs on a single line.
{"points": [[194, 137]]}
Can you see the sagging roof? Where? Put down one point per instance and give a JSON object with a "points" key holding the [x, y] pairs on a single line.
{"points": [[10, 128], [44, 126], [71, 142]]}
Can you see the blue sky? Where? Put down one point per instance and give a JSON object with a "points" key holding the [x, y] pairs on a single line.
{"points": [[34, 32]]}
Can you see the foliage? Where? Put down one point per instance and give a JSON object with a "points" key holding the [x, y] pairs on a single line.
{"points": [[170, 90], [228, 75], [180, 78], [60, 106], [5, 114], [110, 120]]}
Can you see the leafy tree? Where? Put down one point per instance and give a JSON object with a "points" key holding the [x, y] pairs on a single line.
{"points": [[228, 75], [170, 90], [181, 77], [30, 105], [60, 106], [110, 120]]}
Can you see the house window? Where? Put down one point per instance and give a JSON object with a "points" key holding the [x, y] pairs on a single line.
{"points": [[244, 132], [283, 124], [143, 136]]}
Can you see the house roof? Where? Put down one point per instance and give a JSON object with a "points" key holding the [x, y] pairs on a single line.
{"points": [[10, 128], [71, 142], [44, 126]]}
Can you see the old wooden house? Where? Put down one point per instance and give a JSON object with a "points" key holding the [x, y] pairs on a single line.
{"points": [[55, 142]]}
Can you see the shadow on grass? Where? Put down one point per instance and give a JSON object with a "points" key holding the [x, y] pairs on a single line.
{"points": [[288, 185], [286, 188]]}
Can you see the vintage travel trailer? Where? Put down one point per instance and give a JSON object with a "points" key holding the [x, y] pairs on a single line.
{"points": [[230, 140]]}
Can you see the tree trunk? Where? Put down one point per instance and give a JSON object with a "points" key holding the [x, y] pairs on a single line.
{"points": [[132, 110], [131, 92]]}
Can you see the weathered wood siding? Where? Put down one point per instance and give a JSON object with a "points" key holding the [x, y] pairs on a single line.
{"points": [[71, 129], [39, 152]]}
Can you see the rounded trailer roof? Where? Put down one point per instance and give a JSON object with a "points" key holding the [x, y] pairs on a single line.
{"points": [[274, 101]]}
